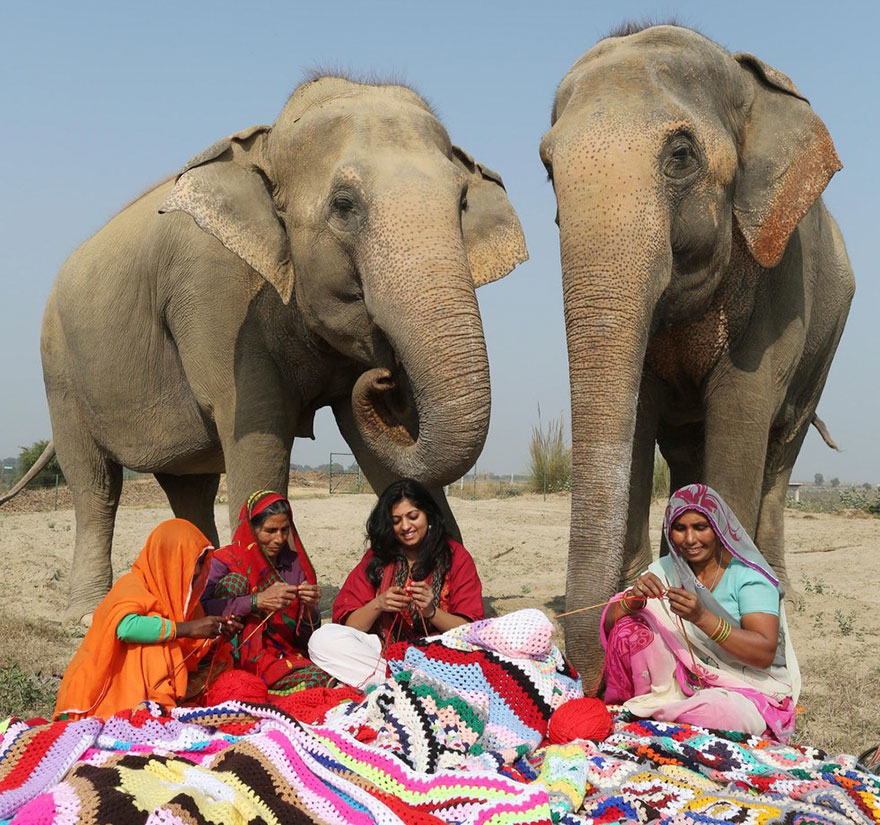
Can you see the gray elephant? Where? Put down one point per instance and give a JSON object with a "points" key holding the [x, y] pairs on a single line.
{"points": [[706, 288], [328, 259]]}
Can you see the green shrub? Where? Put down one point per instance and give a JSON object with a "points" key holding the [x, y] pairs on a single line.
{"points": [[550, 459], [28, 456]]}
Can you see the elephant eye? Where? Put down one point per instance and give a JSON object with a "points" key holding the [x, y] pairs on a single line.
{"points": [[343, 203], [682, 158]]}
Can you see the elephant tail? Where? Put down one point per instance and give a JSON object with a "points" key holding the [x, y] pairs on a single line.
{"points": [[42, 461], [817, 422]]}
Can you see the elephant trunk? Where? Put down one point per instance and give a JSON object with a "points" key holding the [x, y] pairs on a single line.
{"points": [[613, 275], [418, 289]]}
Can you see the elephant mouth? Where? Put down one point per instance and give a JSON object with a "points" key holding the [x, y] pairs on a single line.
{"points": [[381, 402]]}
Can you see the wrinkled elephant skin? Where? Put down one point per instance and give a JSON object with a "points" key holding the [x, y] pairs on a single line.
{"points": [[202, 327], [706, 288]]}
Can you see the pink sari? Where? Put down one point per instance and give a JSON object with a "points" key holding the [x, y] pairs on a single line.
{"points": [[650, 669]]}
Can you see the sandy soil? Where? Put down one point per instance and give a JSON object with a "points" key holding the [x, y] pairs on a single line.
{"points": [[520, 547]]}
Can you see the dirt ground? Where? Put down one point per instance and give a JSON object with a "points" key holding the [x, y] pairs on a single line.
{"points": [[520, 547]]}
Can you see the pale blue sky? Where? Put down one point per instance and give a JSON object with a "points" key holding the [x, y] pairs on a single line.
{"points": [[101, 99]]}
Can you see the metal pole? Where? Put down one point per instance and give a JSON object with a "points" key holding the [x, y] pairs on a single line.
{"points": [[545, 483], [56, 491]]}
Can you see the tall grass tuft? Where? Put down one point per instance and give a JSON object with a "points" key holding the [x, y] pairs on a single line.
{"points": [[661, 482], [550, 465]]}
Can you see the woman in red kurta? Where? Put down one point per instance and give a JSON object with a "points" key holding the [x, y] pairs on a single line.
{"points": [[265, 578], [413, 581]]}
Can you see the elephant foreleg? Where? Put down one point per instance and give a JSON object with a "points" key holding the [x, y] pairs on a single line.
{"points": [[739, 412], [257, 461], [192, 498]]}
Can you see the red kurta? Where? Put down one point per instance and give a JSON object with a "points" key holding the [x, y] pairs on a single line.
{"points": [[461, 593]]}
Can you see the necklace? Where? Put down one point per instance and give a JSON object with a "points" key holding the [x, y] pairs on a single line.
{"points": [[718, 571]]}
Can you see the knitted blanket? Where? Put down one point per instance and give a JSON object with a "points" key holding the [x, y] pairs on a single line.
{"points": [[453, 737]]}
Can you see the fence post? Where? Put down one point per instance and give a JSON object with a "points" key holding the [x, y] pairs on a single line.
{"points": [[56, 491]]}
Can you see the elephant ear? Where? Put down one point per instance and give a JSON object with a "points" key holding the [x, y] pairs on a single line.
{"points": [[228, 194], [786, 160], [493, 236]]}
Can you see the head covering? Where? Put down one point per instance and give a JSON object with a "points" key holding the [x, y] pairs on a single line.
{"points": [[270, 650], [703, 499], [108, 675]]}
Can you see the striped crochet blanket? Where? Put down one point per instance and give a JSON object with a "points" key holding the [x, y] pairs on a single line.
{"points": [[453, 737]]}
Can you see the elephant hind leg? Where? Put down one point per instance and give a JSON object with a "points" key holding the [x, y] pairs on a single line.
{"points": [[192, 498], [96, 485]]}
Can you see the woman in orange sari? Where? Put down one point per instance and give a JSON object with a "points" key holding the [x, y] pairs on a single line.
{"points": [[144, 629]]}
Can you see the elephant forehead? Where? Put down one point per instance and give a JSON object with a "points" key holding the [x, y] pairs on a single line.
{"points": [[698, 75], [364, 123]]}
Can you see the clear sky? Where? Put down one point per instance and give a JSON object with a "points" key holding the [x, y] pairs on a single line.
{"points": [[101, 99]]}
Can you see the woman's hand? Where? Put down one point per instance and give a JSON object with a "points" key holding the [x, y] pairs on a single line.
{"points": [[209, 627], [685, 604], [423, 598], [393, 600], [276, 597], [309, 594], [647, 586]]}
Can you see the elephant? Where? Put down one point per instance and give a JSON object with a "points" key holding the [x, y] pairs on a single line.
{"points": [[328, 259], [705, 287]]}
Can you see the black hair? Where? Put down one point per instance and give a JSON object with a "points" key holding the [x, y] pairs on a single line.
{"points": [[434, 556], [276, 508]]}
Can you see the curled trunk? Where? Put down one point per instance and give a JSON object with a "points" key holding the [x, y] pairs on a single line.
{"points": [[424, 301]]}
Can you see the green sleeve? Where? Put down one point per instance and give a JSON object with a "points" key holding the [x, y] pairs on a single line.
{"points": [[144, 630]]}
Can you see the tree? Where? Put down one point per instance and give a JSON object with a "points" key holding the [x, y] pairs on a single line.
{"points": [[27, 458], [835, 482], [819, 479]]}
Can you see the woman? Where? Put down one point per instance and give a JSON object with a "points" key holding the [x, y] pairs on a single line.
{"points": [[148, 633], [413, 581], [265, 579], [701, 637]]}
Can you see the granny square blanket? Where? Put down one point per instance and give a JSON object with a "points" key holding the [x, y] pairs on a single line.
{"points": [[456, 735]]}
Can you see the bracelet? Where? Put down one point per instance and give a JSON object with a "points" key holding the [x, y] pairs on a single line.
{"points": [[428, 618], [722, 631], [624, 601], [253, 602]]}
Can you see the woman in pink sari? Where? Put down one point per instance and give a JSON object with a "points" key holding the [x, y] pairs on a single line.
{"points": [[701, 636]]}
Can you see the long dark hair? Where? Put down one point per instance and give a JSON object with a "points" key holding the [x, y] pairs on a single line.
{"points": [[434, 555]]}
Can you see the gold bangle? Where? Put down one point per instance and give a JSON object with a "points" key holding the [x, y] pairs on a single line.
{"points": [[714, 634], [722, 632], [627, 595]]}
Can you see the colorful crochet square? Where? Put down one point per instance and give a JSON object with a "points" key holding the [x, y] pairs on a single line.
{"points": [[453, 737]]}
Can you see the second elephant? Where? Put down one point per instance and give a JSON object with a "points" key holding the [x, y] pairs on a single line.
{"points": [[706, 288]]}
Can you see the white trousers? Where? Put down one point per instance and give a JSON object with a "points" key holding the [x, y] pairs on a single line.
{"points": [[348, 654]]}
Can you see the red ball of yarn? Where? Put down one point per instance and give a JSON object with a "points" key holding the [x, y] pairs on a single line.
{"points": [[586, 718], [237, 684]]}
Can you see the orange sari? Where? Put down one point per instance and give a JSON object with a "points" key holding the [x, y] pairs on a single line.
{"points": [[108, 675]]}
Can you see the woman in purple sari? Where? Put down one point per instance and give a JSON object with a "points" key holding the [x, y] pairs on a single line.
{"points": [[701, 636]]}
